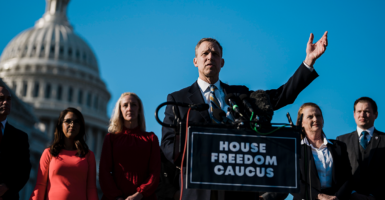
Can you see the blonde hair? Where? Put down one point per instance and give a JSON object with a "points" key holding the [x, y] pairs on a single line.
{"points": [[117, 121]]}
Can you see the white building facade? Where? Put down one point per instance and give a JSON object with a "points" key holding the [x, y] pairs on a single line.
{"points": [[51, 68]]}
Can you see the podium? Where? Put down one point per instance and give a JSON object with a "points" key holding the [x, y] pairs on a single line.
{"points": [[242, 160]]}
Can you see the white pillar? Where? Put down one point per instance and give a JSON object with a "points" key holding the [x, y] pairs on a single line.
{"points": [[30, 86]]}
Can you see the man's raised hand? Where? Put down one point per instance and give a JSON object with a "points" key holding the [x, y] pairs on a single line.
{"points": [[314, 51]]}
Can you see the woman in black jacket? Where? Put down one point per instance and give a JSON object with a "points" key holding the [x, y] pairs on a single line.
{"points": [[324, 164]]}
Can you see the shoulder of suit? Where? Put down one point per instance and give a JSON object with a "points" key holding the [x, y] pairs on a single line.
{"points": [[239, 87], [332, 140], [15, 131], [380, 133], [337, 142], [346, 135], [235, 88], [184, 90]]}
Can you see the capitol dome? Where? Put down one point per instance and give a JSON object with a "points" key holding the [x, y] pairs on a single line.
{"points": [[51, 68]]}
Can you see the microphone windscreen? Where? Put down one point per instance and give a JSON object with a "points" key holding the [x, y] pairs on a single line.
{"points": [[262, 103], [243, 96]]}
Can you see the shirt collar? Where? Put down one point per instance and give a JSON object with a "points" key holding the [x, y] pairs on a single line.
{"points": [[203, 85], [326, 141], [369, 130]]}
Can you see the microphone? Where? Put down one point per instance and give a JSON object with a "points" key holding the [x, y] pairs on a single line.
{"points": [[230, 100], [263, 106], [220, 115], [246, 102]]}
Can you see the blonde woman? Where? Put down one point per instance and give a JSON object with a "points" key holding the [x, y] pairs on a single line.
{"points": [[130, 160]]}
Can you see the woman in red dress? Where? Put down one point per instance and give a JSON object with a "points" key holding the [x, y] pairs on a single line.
{"points": [[130, 160], [67, 169]]}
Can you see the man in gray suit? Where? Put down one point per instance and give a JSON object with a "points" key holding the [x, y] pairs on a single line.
{"points": [[366, 151]]}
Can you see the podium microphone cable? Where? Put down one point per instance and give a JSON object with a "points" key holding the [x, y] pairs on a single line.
{"points": [[184, 153]]}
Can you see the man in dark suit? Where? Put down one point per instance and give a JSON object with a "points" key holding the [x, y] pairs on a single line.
{"points": [[366, 150], [14, 153], [208, 59]]}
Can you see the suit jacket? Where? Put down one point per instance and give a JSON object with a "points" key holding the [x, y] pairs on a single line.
{"points": [[340, 173], [371, 168], [14, 161], [286, 94]]}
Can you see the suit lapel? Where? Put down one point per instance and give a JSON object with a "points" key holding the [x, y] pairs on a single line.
{"points": [[197, 98], [335, 161], [7, 130], [314, 175], [226, 88], [375, 142], [354, 141], [7, 134], [314, 172]]}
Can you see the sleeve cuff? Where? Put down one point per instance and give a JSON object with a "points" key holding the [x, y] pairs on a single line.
{"points": [[140, 190], [309, 67]]}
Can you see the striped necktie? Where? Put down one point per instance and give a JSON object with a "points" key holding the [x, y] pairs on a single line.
{"points": [[214, 104], [363, 139]]}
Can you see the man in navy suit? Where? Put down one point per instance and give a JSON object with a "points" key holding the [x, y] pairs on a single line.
{"points": [[14, 153], [366, 151], [208, 59]]}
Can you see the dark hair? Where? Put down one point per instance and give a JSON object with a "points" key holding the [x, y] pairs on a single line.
{"points": [[368, 100], [208, 40], [300, 111], [58, 142]]}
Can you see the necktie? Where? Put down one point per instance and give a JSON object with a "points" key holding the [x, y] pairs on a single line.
{"points": [[214, 104], [363, 139]]}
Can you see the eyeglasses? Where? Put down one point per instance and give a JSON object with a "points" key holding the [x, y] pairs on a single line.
{"points": [[74, 122]]}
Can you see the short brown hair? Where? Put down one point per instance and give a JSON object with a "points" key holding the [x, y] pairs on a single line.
{"points": [[208, 40], [367, 100]]}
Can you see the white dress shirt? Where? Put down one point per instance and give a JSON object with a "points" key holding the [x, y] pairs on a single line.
{"points": [[368, 136], [323, 161], [3, 128], [205, 91]]}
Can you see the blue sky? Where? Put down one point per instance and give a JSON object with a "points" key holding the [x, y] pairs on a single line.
{"points": [[147, 47]]}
